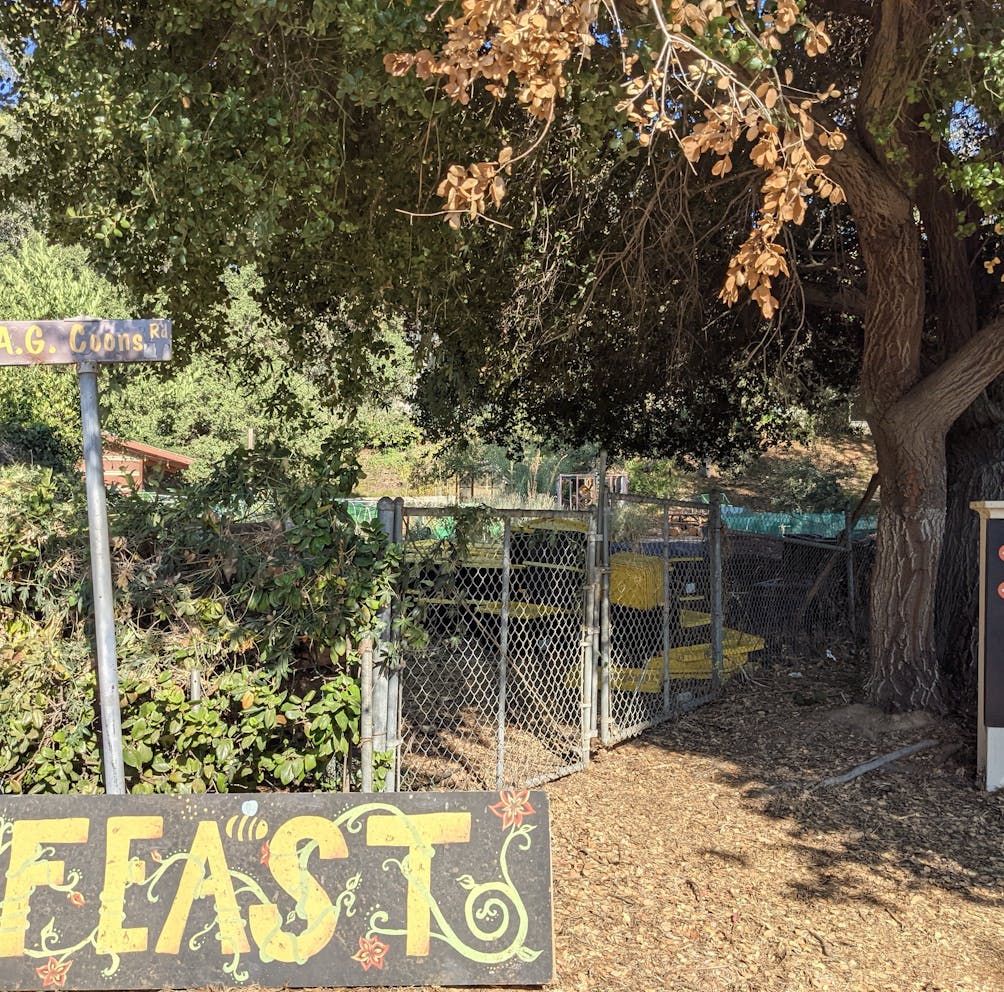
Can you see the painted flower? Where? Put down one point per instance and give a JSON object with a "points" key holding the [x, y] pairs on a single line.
{"points": [[512, 806], [266, 853], [76, 899], [53, 973], [371, 952], [155, 854]]}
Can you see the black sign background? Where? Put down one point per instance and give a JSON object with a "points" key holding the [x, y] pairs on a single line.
{"points": [[993, 672], [136, 892]]}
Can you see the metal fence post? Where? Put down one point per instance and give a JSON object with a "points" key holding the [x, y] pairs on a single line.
{"points": [[503, 655], [101, 583], [366, 713], [852, 592], [666, 621], [393, 673], [385, 517], [590, 644], [603, 509], [715, 567]]}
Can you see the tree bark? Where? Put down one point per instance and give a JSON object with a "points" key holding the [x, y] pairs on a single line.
{"points": [[904, 664], [910, 413]]}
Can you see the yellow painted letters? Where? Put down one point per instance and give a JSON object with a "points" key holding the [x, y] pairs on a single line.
{"points": [[312, 902], [34, 342], [112, 936], [27, 871], [78, 343], [206, 873], [418, 834]]}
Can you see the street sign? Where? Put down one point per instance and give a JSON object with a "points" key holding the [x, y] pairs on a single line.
{"points": [[68, 342], [87, 342], [274, 889]]}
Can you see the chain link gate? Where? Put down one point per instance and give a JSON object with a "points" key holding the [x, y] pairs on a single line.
{"points": [[538, 631], [499, 691], [664, 647]]}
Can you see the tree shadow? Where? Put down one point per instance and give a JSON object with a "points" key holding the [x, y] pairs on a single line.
{"points": [[921, 821]]}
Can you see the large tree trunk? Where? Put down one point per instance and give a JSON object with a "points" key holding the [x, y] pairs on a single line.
{"points": [[910, 413], [904, 671]]}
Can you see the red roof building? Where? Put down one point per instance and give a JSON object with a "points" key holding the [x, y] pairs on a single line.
{"points": [[132, 463]]}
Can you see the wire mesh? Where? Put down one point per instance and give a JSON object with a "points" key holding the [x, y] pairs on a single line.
{"points": [[538, 631], [657, 646], [493, 694], [796, 593]]}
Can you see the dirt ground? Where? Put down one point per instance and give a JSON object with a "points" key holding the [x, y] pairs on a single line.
{"points": [[678, 866], [696, 857]]}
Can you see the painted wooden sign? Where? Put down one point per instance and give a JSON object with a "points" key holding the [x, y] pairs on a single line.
{"points": [[65, 342], [993, 670], [143, 892]]}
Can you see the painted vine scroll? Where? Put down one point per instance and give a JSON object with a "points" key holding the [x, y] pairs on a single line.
{"points": [[139, 892]]}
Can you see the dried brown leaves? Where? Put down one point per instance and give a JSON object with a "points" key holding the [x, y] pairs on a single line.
{"points": [[529, 46]]}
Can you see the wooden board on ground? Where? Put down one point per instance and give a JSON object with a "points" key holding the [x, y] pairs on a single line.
{"points": [[143, 892]]}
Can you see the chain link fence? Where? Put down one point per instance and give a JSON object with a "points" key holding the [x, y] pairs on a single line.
{"points": [[535, 632], [657, 605], [497, 690], [800, 592]]}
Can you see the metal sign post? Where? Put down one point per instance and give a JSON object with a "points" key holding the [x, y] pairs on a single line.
{"points": [[87, 342], [101, 582]]}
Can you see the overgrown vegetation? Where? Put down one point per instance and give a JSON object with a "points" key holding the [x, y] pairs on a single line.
{"points": [[262, 584], [804, 487]]}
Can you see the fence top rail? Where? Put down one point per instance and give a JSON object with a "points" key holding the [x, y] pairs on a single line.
{"points": [[491, 511], [831, 545], [659, 501]]}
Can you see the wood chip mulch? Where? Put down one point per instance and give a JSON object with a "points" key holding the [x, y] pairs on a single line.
{"points": [[688, 860]]}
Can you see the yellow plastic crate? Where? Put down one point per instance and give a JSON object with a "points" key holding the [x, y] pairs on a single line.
{"points": [[635, 580], [692, 661]]}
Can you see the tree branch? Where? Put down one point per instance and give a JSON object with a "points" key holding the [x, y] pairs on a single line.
{"points": [[843, 299], [941, 397]]}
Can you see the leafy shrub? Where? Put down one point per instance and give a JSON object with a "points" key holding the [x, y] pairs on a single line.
{"points": [[34, 444], [263, 584], [247, 733], [806, 488], [653, 477]]}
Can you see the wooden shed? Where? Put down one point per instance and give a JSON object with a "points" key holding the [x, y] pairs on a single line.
{"points": [[140, 464]]}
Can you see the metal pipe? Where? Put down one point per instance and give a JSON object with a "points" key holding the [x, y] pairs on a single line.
{"points": [[852, 592], [503, 657], [603, 511], [510, 513], [194, 685], [393, 673], [385, 517], [366, 712], [587, 700], [806, 543], [715, 563], [594, 619], [666, 634], [661, 501], [101, 580]]}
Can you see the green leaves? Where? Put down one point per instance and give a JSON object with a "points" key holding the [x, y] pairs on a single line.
{"points": [[174, 745], [260, 580]]}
